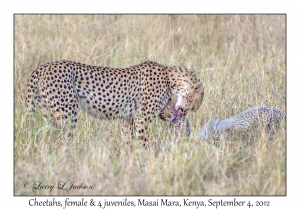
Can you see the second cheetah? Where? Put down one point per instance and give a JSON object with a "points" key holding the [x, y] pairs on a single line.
{"points": [[254, 119]]}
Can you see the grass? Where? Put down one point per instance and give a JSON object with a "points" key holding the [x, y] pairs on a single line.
{"points": [[240, 58]]}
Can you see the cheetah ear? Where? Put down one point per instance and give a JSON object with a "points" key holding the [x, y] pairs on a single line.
{"points": [[200, 86]]}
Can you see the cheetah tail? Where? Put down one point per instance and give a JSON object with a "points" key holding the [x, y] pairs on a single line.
{"points": [[31, 90]]}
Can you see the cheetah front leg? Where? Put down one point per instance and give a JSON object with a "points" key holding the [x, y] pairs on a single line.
{"points": [[126, 130], [141, 130]]}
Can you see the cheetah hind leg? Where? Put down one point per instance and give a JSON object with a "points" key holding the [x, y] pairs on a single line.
{"points": [[58, 119], [65, 117], [39, 105], [66, 124]]}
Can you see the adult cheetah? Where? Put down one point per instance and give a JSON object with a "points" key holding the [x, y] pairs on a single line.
{"points": [[135, 94], [254, 119]]}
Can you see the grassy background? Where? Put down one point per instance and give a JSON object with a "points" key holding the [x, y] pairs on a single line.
{"points": [[241, 59]]}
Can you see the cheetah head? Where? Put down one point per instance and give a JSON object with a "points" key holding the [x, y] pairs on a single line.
{"points": [[208, 129], [191, 98]]}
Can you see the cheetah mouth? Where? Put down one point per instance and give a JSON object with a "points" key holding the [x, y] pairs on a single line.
{"points": [[180, 112]]}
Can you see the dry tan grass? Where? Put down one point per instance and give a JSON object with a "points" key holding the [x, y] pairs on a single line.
{"points": [[241, 59]]}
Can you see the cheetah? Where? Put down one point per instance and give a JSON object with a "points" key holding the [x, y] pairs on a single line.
{"points": [[177, 119], [254, 119], [135, 94]]}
